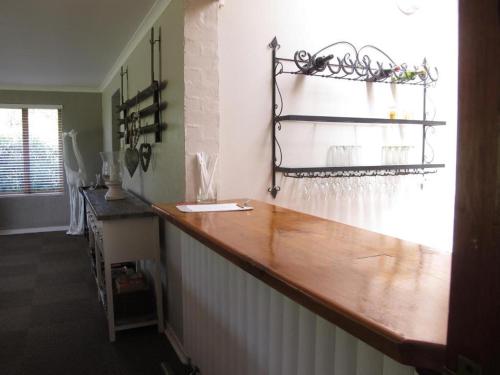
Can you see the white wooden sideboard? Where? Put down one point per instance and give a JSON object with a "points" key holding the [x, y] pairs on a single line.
{"points": [[123, 231]]}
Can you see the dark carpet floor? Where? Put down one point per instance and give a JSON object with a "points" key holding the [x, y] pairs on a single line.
{"points": [[51, 322]]}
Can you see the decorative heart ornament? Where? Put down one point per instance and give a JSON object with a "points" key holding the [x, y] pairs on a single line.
{"points": [[131, 160], [145, 152]]}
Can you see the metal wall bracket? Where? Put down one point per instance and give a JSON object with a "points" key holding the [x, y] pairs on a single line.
{"points": [[154, 90]]}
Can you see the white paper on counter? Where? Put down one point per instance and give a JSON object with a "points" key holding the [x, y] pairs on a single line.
{"points": [[219, 207]]}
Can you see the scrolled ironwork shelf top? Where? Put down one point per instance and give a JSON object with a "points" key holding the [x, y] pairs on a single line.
{"points": [[367, 173], [360, 171], [358, 65]]}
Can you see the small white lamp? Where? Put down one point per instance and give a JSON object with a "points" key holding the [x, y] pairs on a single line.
{"points": [[112, 165]]}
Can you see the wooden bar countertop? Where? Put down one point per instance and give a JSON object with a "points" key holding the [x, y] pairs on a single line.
{"points": [[390, 293]]}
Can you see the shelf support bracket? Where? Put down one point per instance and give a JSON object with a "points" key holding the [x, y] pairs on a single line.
{"points": [[274, 45]]}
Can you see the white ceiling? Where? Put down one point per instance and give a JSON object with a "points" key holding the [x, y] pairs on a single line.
{"points": [[64, 43]]}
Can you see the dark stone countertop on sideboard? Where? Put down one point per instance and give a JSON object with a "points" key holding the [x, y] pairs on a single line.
{"points": [[131, 206]]}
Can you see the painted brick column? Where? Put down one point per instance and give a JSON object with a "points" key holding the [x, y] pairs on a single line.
{"points": [[201, 85]]}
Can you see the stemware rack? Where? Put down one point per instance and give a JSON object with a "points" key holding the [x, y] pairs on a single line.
{"points": [[354, 65]]}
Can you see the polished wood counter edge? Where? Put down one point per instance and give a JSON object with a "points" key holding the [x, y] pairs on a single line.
{"points": [[129, 207], [390, 293]]}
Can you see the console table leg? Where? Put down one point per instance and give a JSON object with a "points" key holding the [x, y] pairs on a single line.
{"points": [[158, 294], [98, 260], [109, 299]]}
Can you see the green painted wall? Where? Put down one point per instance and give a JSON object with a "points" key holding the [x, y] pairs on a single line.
{"points": [[164, 181], [82, 112]]}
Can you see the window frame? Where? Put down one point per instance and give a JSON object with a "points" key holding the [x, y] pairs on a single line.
{"points": [[27, 188]]}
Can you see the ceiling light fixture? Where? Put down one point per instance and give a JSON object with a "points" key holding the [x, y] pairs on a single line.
{"points": [[409, 7]]}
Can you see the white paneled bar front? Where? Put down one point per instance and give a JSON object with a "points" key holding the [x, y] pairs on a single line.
{"points": [[235, 324]]}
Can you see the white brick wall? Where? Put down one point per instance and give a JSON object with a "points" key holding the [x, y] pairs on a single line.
{"points": [[201, 85]]}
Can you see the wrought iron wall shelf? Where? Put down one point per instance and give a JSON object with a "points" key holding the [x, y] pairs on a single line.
{"points": [[359, 171], [356, 120], [354, 65]]}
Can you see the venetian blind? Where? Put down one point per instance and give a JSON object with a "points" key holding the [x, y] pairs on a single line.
{"points": [[31, 149]]}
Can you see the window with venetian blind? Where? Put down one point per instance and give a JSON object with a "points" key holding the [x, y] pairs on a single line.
{"points": [[30, 149]]}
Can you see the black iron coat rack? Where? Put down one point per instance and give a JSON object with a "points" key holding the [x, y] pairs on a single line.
{"points": [[154, 90]]}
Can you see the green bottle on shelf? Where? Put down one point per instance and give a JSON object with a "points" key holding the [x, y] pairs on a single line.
{"points": [[408, 75]]}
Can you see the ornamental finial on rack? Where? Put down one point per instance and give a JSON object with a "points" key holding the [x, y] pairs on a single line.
{"points": [[369, 64]]}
